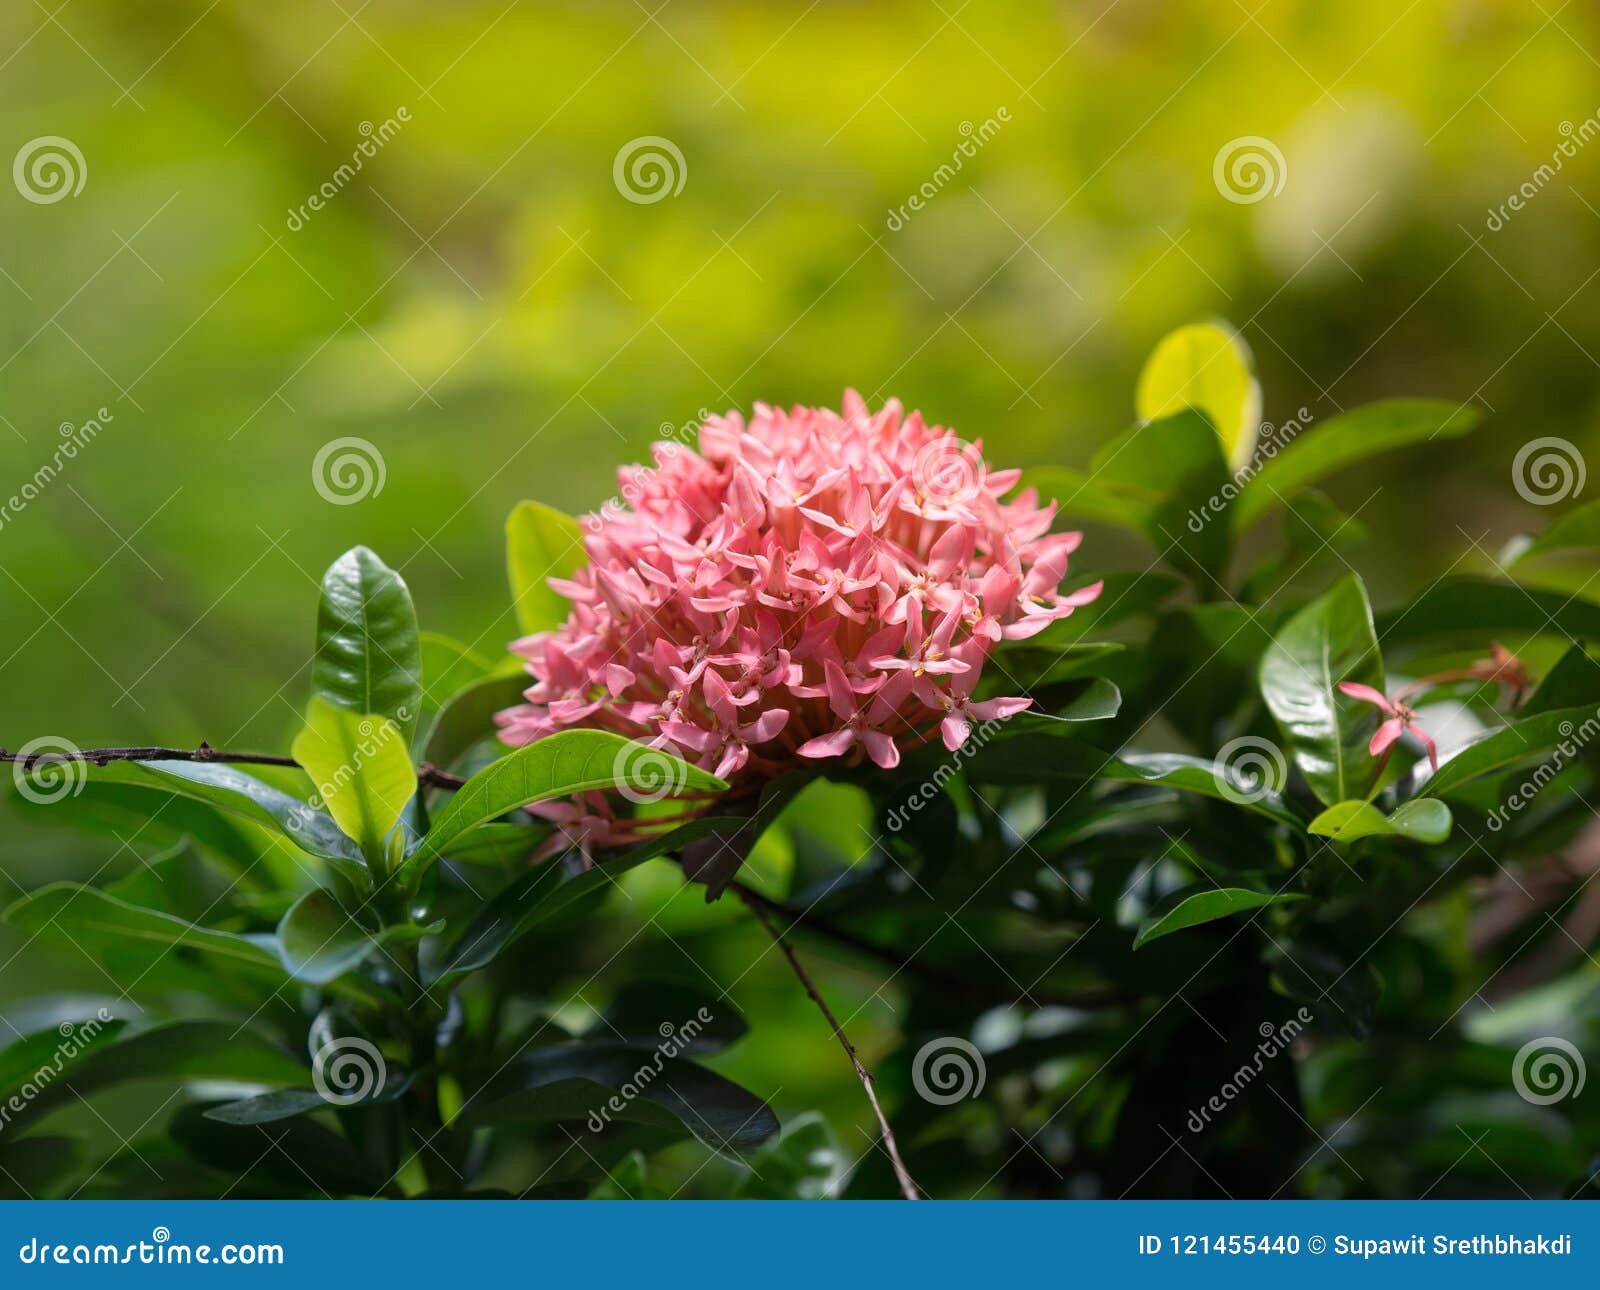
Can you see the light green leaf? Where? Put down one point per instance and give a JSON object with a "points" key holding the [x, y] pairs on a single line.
{"points": [[541, 543], [1423, 819], [1329, 641], [573, 761], [368, 658], [1205, 907], [1205, 366], [1343, 441], [361, 769]]}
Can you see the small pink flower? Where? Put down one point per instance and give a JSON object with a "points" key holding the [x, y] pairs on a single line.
{"points": [[809, 585], [1399, 719]]}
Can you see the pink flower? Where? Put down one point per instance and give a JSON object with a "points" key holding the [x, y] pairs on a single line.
{"points": [[1399, 719], [812, 585]]}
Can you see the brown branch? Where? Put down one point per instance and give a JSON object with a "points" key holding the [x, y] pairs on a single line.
{"points": [[426, 773], [908, 1187]]}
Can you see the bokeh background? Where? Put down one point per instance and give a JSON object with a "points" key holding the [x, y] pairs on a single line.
{"points": [[486, 306]]}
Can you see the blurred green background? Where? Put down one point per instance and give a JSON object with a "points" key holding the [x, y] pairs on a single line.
{"points": [[485, 306]]}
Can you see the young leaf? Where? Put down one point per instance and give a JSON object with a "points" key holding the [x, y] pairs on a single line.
{"points": [[1423, 819], [1342, 441], [573, 761], [361, 769], [1329, 641], [1204, 907], [368, 658], [541, 543], [1205, 366], [1576, 530]]}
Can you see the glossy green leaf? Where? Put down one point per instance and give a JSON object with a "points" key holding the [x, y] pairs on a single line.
{"points": [[1205, 366], [1422, 819], [468, 717], [648, 1012], [573, 761], [1568, 728], [318, 941], [368, 659], [1343, 441], [1204, 907], [448, 667], [361, 770], [1476, 610], [541, 543], [1329, 641]]}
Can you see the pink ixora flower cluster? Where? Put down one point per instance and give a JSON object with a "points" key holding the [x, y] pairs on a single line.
{"points": [[808, 585]]}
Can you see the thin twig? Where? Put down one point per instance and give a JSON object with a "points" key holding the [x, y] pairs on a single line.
{"points": [[428, 774], [907, 1186]]}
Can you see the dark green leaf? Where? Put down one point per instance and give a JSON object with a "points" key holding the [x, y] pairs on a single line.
{"points": [[1527, 738], [650, 1011]]}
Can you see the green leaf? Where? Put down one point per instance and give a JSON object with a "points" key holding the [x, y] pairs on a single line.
{"points": [[627, 1180], [1181, 460], [30, 1167], [583, 1080], [299, 1155], [468, 717], [1204, 907], [1478, 609], [448, 667], [1329, 641], [541, 543], [232, 790], [1423, 819], [361, 769], [1084, 495], [804, 1164], [175, 1054], [36, 1059], [1578, 529], [1205, 366], [1572, 682], [368, 659], [1515, 743], [1099, 700], [1343, 441], [90, 921], [572, 761], [1030, 758]]}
